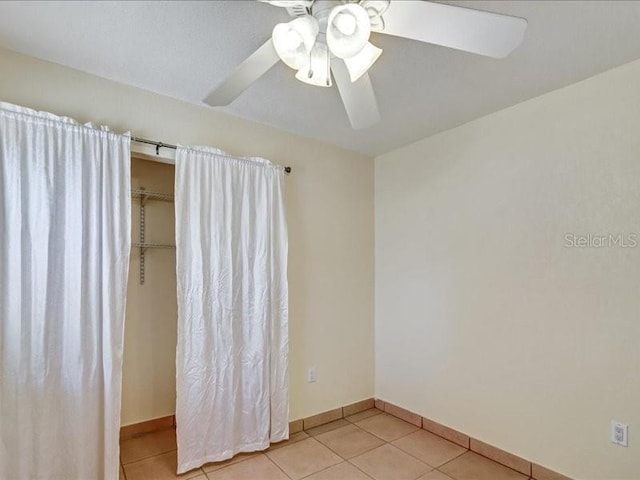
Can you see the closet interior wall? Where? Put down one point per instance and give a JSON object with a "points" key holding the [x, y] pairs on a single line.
{"points": [[149, 371]]}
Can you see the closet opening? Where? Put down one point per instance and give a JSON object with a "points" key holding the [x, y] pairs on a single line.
{"points": [[149, 363]]}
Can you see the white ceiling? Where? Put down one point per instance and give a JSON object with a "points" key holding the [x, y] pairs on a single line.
{"points": [[183, 49]]}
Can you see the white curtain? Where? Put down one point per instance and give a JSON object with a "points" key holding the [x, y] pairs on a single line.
{"points": [[232, 382], [64, 255]]}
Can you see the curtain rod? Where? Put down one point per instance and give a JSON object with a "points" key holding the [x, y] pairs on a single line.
{"points": [[160, 145]]}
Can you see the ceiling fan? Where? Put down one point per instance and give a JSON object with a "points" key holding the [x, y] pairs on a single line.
{"points": [[330, 38]]}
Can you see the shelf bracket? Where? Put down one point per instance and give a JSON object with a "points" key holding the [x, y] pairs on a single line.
{"points": [[145, 196], [143, 199]]}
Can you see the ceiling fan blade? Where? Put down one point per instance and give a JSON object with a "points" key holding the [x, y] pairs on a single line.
{"points": [[288, 3], [358, 97], [295, 8], [475, 31], [256, 65]]}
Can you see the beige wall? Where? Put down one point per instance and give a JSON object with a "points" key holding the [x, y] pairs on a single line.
{"points": [[330, 215], [485, 321]]}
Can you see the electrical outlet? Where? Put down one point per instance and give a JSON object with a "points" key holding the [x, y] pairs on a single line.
{"points": [[311, 375], [619, 433]]}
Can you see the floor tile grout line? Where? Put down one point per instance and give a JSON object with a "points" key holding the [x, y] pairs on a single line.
{"points": [[454, 458], [501, 464], [457, 457], [389, 441], [527, 477], [344, 460], [280, 445], [317, 441], [445, 474], [249, 456], [370, 416], [325, 468], [440, 438], [381, 412], [385, 443], [367, 431], [124, 474], [426, 430], [269, 450], [375, 435], [356, 466], [347, 459], [412, 455], [332, 430], [278, 466]]}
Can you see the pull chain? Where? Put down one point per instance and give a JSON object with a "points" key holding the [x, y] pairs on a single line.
{"points": [[328, 68]]}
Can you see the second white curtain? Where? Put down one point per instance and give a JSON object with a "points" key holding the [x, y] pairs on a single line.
{"points": [[231, 240]]}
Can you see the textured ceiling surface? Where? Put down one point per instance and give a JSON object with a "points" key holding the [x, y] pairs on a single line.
{"points": [[183, 49]]}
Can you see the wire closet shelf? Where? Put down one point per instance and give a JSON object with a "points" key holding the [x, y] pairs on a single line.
{"points": [[144, 196]]}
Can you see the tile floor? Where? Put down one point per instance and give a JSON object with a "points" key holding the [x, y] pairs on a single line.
{"points": [[368, 445]]}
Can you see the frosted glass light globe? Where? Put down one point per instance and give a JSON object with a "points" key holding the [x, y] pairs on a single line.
{"points": [[348, 30], [346, 23], [291, 40]]}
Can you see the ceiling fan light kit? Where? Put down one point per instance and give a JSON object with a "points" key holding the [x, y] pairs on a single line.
{"points": [[330, 28], [331, 38]]}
